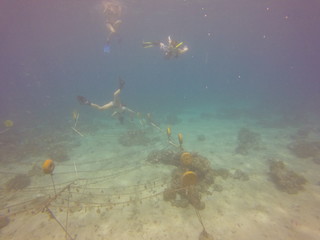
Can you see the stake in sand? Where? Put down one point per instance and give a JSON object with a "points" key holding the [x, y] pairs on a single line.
{"points": [[75, 116]]}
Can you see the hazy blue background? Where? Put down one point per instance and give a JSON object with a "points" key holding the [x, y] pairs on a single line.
{"points": [[260, 54]]}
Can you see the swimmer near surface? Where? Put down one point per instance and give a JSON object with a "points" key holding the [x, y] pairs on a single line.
{"points": [[112, 14]]}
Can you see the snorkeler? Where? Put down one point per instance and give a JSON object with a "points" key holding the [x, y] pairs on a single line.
{"points": [[171, 49], [112, 11], [116, 105]]}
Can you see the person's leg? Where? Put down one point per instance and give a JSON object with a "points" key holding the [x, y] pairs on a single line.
{"points": [[116, 98], [104, 107], [111, 28]]}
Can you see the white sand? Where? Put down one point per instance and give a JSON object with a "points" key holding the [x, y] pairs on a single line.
{"points": [[108, 171]]}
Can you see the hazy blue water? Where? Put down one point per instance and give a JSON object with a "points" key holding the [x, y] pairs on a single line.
{"points": [[246, 57], [240, 53]]}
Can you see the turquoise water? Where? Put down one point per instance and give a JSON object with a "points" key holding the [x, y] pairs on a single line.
{"points": [[245, 96]]}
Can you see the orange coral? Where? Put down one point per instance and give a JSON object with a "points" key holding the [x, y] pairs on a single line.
{"points": [[48, 166], [189, 178], [186, 158]]}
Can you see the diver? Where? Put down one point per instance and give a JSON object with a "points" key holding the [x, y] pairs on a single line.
{"points": [[112, 11], [118, 108], [171, 49], [112, 29]]}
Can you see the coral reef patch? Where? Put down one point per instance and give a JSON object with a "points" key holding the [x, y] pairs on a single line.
{"points": [[35, 171], [19, 182], [205, 175], [286, 180], [164, 156], [240, 175], [305, 149], [247, 141], [17, 146], [177, 193]]}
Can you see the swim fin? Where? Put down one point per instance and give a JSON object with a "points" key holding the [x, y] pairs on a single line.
{"points": [[106, 48], [178, 45], [83, 100]]}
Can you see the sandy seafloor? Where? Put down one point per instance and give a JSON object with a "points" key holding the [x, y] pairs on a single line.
{"points": [[109, 171]]}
